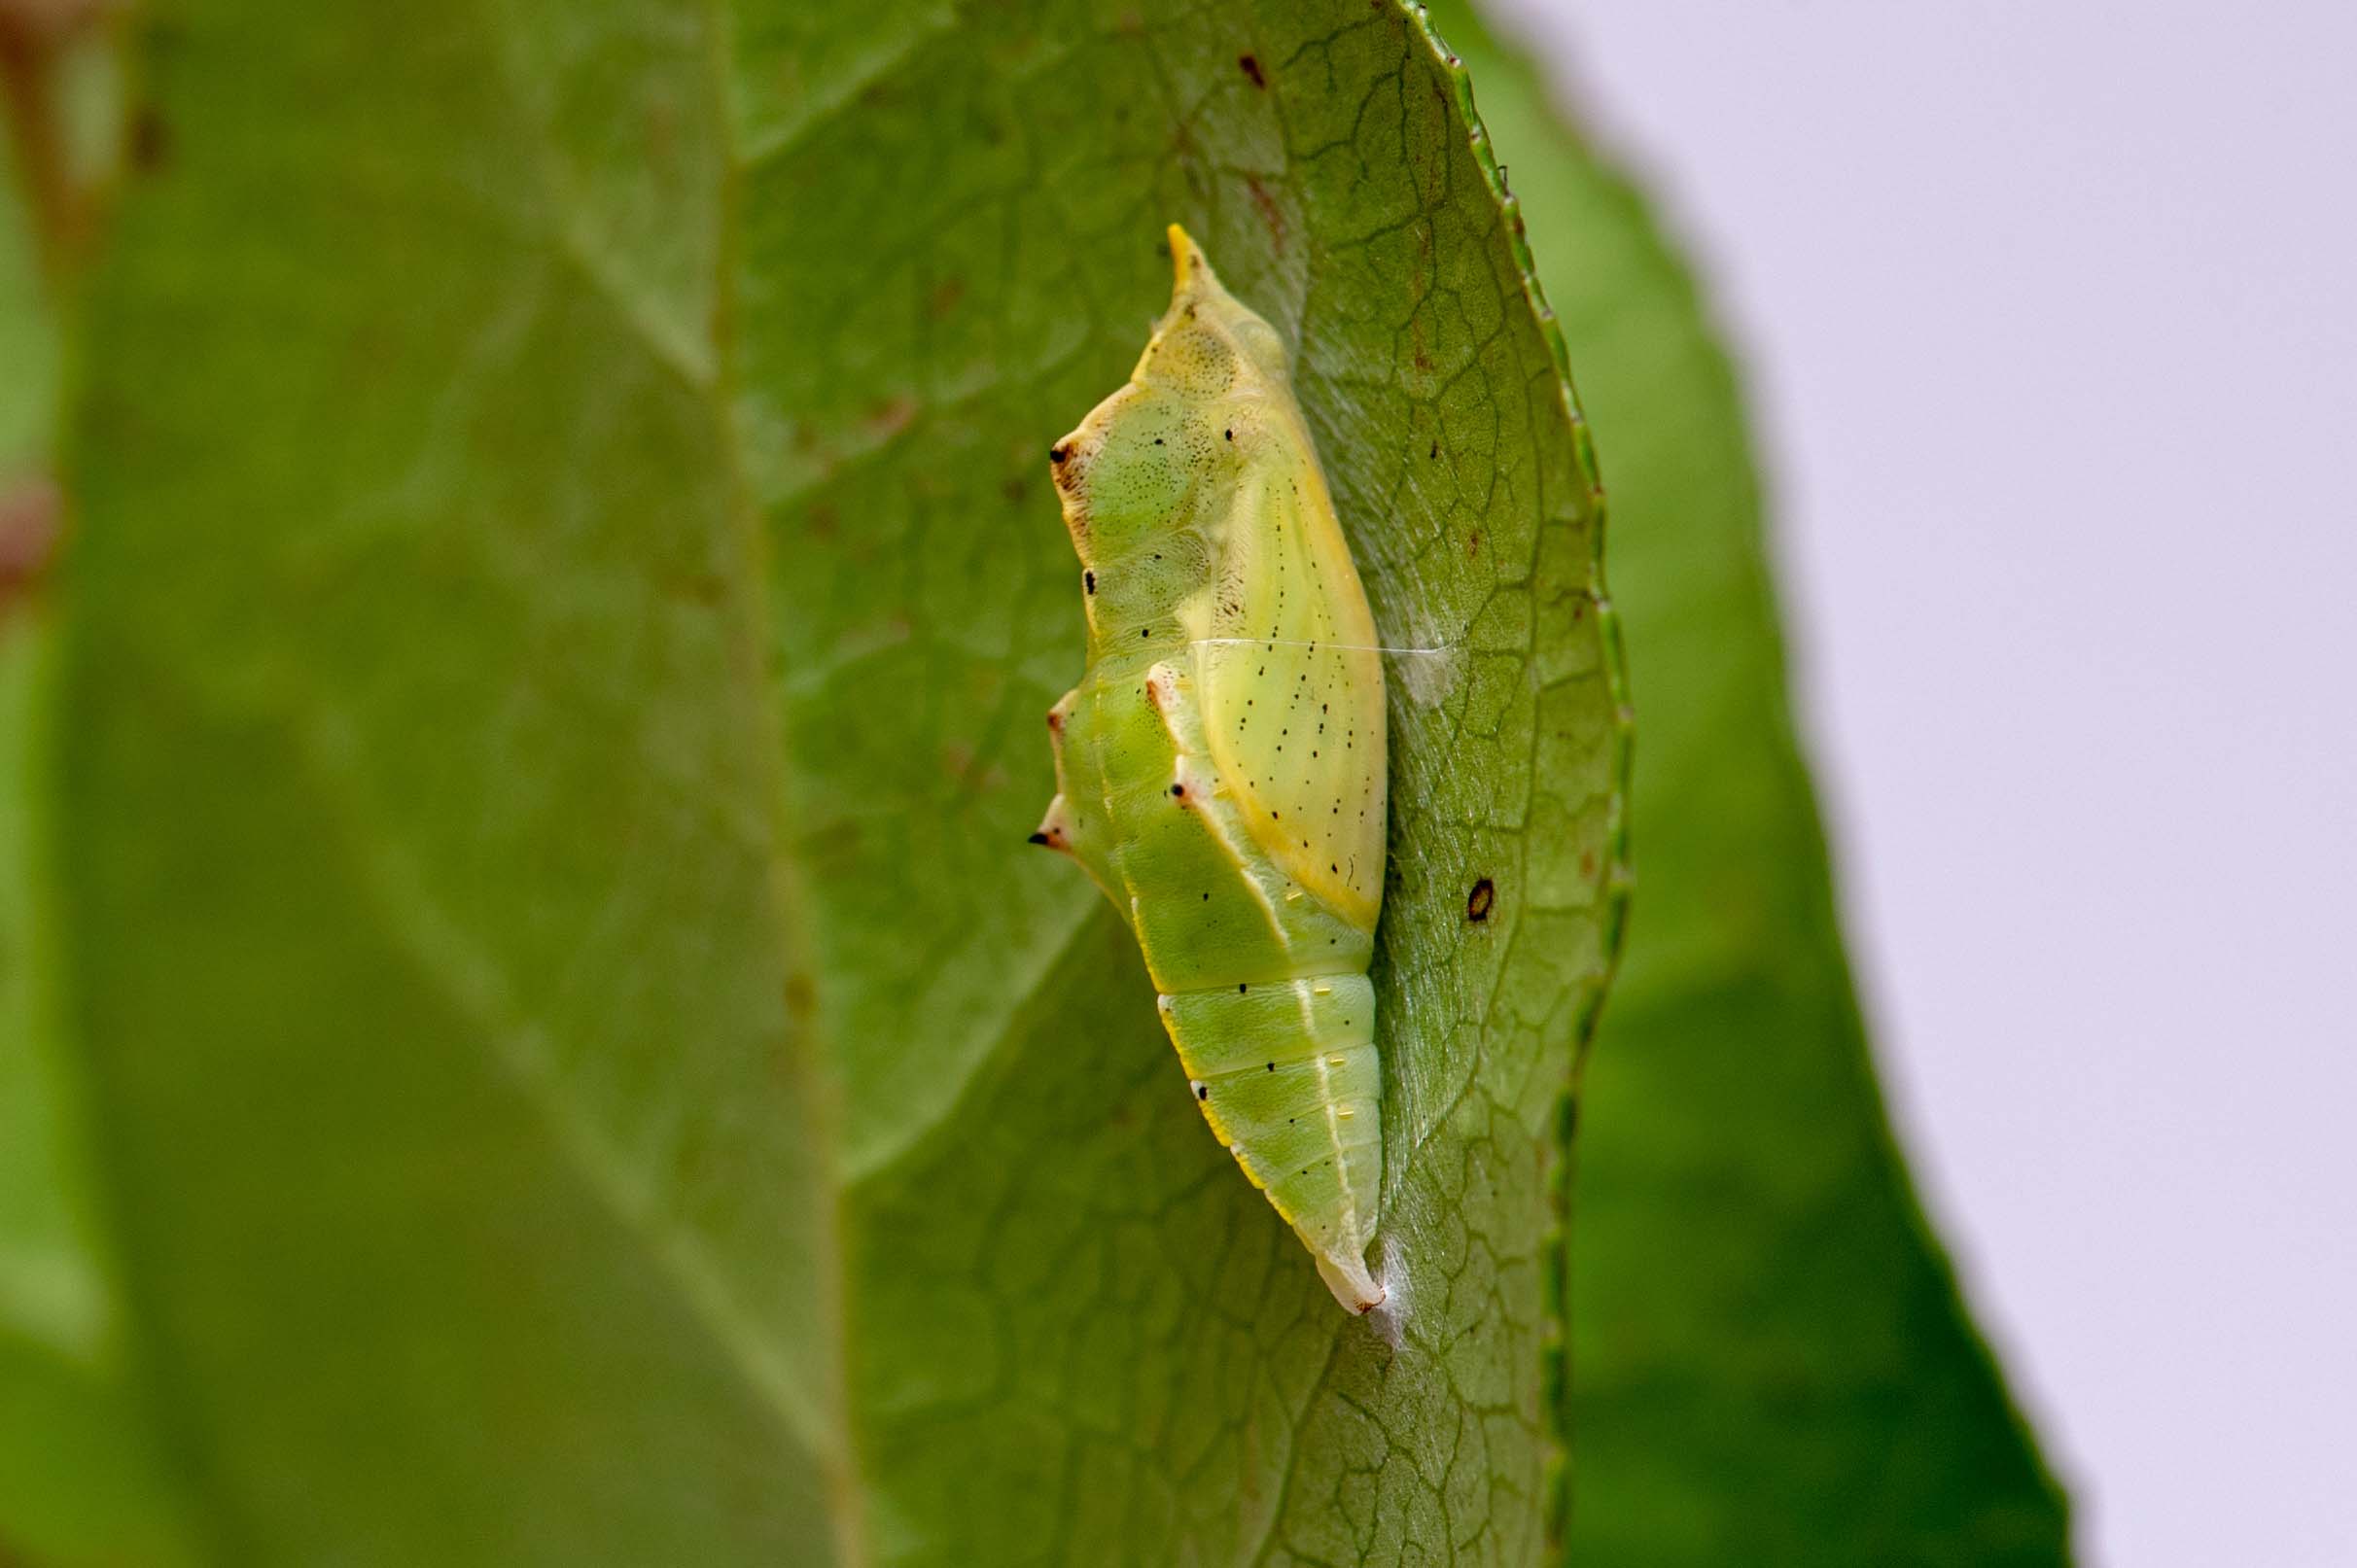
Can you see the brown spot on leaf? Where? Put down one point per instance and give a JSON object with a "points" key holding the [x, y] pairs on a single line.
{"points": [[48, 20], [801, 997], [35, 39], [1481, 900], [151, 141], [1271, 214], [892, 416], [1251, 68], [28, 535], [945, 297]]}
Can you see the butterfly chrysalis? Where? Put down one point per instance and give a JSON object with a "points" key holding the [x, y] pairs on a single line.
{"points": [[1219, 767]]}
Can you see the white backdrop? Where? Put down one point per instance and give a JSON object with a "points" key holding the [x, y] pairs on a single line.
{"points": [[2049, 312]]}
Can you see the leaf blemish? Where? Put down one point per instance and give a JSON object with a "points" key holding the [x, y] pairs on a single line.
{"points": [[29, 528], [1481, 900], [151, 144]]}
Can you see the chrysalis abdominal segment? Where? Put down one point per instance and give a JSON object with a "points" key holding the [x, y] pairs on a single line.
{"points": [[1424, 674], [1221, 766]]}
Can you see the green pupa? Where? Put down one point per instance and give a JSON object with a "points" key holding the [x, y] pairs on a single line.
{"points": [[1221, 766]]}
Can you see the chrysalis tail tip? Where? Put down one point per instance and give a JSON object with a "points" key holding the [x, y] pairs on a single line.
{"points": [[1353, 1286]]}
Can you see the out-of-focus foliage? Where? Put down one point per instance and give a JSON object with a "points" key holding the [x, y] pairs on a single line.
{"points": [[1770, 1362], [578, 1060], [80, 1478]]}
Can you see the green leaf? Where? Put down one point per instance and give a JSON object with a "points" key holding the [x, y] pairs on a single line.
{"points": [[584, 1064], [1771, 1364], [28, 344], [81, 1479]]}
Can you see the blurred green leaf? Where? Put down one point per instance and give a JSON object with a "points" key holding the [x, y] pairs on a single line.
{"points": [[583, 1063], [81, 1479], [1770, 1362], [28, 344]]}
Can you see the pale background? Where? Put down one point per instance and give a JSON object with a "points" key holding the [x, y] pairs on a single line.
{"points": [[2049, 314]]}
